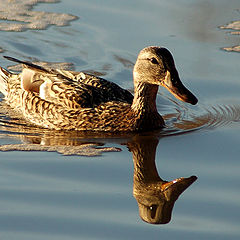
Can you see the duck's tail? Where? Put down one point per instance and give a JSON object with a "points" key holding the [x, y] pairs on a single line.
{"points": [[4, 76]]}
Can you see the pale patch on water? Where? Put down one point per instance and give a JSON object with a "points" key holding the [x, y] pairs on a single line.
{"points": [[18, 16], [235, 25], [232, 49], [82, 150]]}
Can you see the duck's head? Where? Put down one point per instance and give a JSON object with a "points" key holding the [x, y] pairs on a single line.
{"points": [[155, 65]]}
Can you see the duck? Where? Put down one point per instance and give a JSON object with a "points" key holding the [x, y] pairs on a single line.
{"points": [[67, 100]]}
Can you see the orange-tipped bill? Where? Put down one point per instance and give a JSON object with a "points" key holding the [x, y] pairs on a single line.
{"points": [[184, 182], [174, 85]]}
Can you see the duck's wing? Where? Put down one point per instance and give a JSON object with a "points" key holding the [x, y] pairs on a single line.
{"points": [[70, 89], [107, 91], [54, 87]]}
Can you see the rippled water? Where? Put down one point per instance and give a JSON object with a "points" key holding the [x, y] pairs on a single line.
{"points": [[47, 194]]}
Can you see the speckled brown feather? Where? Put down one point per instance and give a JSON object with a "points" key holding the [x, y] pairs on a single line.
{"points": [[85, 103], [110, 116], [76, 89]]}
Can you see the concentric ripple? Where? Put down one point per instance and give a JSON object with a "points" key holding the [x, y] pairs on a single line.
{"points": [[204, 118]]}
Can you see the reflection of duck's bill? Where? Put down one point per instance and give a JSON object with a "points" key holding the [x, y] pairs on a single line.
{"points": [[174, 85], [179, 183], [156, 207]]}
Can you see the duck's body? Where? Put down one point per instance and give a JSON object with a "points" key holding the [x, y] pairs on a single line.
{"points": [[65, 100]]}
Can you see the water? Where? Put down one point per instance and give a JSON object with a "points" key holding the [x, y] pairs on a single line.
{"points": [[49, 195]]}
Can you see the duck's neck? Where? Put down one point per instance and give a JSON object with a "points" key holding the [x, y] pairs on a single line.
{"points": [[144, 152], [144, 101], [144, 107]]}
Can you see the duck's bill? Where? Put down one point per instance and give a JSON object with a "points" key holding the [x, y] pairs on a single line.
{"points": [[174, 85], [178, 184]]}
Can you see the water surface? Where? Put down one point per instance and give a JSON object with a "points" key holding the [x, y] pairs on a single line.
{"points": [[47, 195]]}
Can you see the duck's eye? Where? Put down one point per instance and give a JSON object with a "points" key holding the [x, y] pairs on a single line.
{"points": [[153, 60]]}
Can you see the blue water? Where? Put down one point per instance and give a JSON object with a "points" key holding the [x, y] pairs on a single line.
{"points": [[46, 195]]}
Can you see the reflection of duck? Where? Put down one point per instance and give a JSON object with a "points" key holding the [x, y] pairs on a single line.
{"points": [[155, 196], [67, 100]]}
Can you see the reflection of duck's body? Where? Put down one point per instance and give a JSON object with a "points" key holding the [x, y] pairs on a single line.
{"points": [[66, 100]]}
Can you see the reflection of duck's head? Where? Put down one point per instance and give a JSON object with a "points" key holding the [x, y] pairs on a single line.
{"points": [[155, 197], [156, 201], [155, 65]]}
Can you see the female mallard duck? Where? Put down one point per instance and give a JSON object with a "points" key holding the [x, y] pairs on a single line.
{"points": [[66, 100]]}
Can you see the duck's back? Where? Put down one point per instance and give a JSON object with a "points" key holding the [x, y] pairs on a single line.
{"points": [[102, 90], [58, 99], [67, 88]]}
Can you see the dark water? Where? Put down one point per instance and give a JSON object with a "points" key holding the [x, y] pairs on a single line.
{"points": [[47, 195]]}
